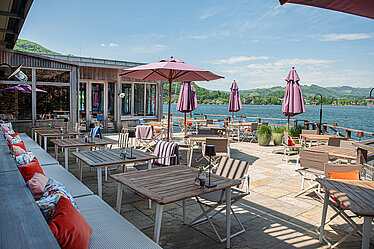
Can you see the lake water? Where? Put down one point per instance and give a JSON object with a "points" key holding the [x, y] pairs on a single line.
{"points": [[355, 117]]}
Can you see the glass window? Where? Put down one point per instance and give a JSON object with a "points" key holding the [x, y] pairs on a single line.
{"points": [[15, 104], [44, 75], [97, 99], [150, 100], [111, 100], [126, 101], [5, 70], [82, 100], [53, 103], [138, 99]]}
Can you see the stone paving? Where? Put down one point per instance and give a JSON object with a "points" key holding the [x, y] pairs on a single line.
{"points": [[272, 216]]}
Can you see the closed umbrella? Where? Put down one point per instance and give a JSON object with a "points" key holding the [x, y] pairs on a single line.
{"points": [[293, 102], [169, 70], [235, 104], [96, 96], [187, 101]]}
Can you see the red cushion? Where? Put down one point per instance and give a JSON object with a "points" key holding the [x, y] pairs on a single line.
{"points": [[290, 141], [69, 227], [352, 175], [20, 144], [14, 134], [28, 170]]}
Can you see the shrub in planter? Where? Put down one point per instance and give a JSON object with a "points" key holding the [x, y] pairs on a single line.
{"points": [[278, 133], [264, 135]]}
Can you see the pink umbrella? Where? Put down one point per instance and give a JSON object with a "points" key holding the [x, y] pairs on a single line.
{"points": [[235, 104], [22, 89], [293, 102], [96, 96], [363, 8], [169, 70], [187, 101]]}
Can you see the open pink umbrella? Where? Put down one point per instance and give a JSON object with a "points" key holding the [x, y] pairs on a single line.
{"points": [[363, 8], [293, 102], [169, 70], [235, 104], [22, 89], [187, 101]]}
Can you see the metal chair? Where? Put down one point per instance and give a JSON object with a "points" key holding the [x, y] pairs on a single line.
{"points": [[312, 132], [145, 141], [233, 169], [335, 141], [291, 146], [340, 210], [312, 164], [250, 133], [222, 146]]}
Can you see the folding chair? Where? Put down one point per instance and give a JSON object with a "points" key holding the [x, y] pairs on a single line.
{"points": [[335, 141], [144, 137], [216, 201], [312, 132], [291, 146], [222, 147], [312, 164], [249, 132], [205, 131], [96, 132], [335, 205]]}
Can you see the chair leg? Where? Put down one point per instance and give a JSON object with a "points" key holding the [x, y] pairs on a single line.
{"points": [[106, 174]]}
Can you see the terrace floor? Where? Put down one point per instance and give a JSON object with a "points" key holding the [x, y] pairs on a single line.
{"points": [[272, 216]]}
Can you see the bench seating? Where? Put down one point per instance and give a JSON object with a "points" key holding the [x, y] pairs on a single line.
{"points": [[110, 229]]}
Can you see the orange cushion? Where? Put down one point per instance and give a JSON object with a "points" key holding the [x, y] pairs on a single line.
{"points": [[352, 175], [290, 141], [20, 144], [69, 227], [18, 150], [28, 170]]}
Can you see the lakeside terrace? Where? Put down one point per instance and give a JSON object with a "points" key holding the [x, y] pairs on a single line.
{"points": [[271, 214]]}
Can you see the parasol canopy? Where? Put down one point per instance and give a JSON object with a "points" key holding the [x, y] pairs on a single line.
{"points": [[235, 104], [187, 101]]}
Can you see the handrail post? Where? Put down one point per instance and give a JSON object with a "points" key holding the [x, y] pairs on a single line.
{"points": [[348, 134], [324, 129], [259, 120]]}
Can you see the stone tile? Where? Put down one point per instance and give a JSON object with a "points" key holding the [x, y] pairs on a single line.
{"points": [[260, 182]]}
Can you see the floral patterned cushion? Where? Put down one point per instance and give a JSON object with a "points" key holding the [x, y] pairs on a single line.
{"points": [[6, 126], [15, 140], [52, 192], [24, 158]]}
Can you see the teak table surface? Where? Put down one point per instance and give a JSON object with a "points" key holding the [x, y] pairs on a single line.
{"points": [[79, 142], [316, 137], [335, 151], [170, 184], [56, 133]]}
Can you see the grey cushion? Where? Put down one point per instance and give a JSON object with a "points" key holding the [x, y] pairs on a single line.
{"points": [[73, 185], [110, 229], [43, 157], [29, 143]]}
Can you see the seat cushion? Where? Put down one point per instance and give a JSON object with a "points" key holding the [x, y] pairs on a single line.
{"points": [[43, 157], [110, 229], [73, 185]]}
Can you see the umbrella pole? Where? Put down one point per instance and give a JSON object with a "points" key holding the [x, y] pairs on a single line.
{"points": [[185, 125], [191, 114], [288, 123], [169, 111], [232, 118]]}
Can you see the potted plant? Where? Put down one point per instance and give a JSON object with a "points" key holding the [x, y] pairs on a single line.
{"points": [[264, 135], [278, 132]]}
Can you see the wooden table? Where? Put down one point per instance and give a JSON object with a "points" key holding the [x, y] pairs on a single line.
{"points": [[35, 128], [52, 133], [76, 143], [334, 151], [237, 127], [314, 137], [109, 158], [196, 121], [170, 184], [358, 196]]}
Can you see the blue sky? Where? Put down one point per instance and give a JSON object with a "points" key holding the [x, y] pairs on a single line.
{"points": [[255, 42]]}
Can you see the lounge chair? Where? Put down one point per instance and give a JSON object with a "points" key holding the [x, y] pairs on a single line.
{"points": [[233, 169], [340, 210]]}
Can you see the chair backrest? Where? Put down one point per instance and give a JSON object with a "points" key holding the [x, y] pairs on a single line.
{"points": [[254, 127], [232, 168], [335, 141], [167, 153], [219, 143], [123, 138], [341, 168], [313, 132], [313, 159], [347, 144], [205, 131], [209, 121]]}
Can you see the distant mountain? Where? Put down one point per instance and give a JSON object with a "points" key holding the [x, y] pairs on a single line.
{"points": [[28, 46]]}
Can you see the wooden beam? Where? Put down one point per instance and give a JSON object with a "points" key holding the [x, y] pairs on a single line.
{"points": [[8, 31], [13, 15]]}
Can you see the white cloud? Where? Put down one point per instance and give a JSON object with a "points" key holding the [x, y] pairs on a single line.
{"points": [[102, 44], [209, 13], [111, 45], [238, 59], [347, 37], [198, 37]]}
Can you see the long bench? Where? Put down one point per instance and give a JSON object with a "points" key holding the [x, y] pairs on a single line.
{"points": [[110, 229]]}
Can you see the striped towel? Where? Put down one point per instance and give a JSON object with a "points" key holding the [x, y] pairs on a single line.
{"points": [[144, 132], [96, 132], [167, 153]]}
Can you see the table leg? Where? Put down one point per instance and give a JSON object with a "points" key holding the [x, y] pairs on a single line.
{"points": [[324, 214], [45, 143], [66, 158], [184, 212], [77, 150], [190, 154], [158, 223], [149, 201], [228, 218], [99, 182], [80, 170], [238, 134], [119, 197], [367, 229], [35, 137], [56, 152]]}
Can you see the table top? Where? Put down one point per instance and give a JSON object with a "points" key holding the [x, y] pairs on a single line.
{"points": [[99, 158], [169, 184], [195, 120], [335, 151], [35, 128], [316, 137], [358, 196], [79, 142], [202, 138], [56, 133], [239, 124]]}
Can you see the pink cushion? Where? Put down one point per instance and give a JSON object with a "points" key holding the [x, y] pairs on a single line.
{"points": [[37, 184], [17, 150]]}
